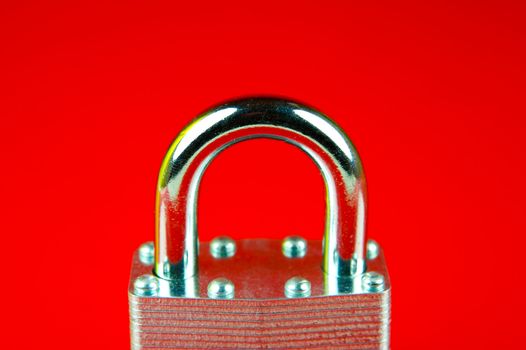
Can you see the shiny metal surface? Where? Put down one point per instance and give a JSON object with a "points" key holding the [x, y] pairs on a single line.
{"points": [[372, 249], [373, 281], [222, 247], [341, 313], [297, 287], [315, 134], [146, 253], [294, 247], [221, 288], [146, 285], [260, 293], [259, 270]]}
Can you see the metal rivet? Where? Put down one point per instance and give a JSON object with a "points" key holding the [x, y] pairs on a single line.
{"points": [[373, 249], [222, 247], [373, 282], [294, 247], [146, 253], [221, 288], [146, 285], [297, 287]]}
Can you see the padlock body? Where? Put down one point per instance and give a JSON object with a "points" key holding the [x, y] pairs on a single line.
{"points": [[339, 313]]}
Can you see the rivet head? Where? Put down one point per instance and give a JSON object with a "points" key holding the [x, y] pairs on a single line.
{"points": [[221, 288], [222, 247], [373, 281], [294, 247], [146, 285], [297, 287], [146, 253], [373, 250]]}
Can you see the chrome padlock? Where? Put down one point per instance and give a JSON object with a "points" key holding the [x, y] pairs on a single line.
{"points": [[260, 293]]}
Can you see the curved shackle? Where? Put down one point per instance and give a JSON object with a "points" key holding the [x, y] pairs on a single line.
{"points": [[176, 240]]}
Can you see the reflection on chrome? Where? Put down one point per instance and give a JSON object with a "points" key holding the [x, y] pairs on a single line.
{"points": [[176, 221]]}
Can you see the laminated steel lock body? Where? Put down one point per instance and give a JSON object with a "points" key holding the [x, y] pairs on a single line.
{"points": [[293, 294]]}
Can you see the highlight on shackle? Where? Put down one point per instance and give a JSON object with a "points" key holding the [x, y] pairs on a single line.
{"points": [[176, 253]]}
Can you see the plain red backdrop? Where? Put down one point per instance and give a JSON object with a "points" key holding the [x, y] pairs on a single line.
{"points": [[431, 93]]}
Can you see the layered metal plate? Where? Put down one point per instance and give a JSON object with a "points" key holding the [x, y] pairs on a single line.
{"points": [[339, 313]]}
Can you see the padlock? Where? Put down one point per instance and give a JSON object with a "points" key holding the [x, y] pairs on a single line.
{"points": [[260, 293]]}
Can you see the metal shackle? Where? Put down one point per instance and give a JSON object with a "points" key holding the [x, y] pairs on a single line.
{"points": [[176, 240]]}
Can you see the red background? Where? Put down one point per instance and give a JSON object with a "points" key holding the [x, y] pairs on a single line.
{"points": [[431, 93]]}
